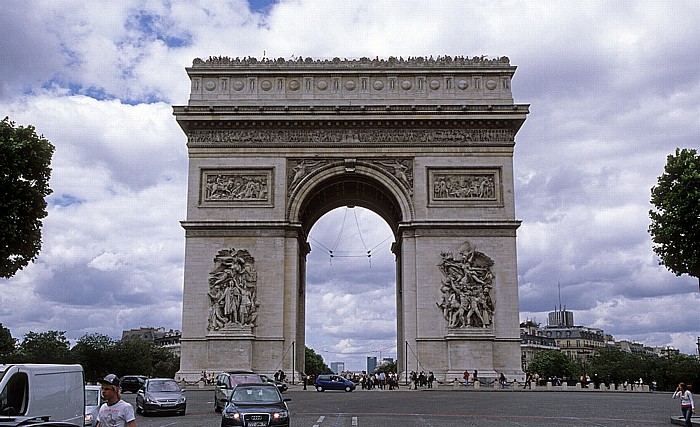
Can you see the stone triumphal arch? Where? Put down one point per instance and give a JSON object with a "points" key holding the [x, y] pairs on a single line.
{"points": [[425, 143]]}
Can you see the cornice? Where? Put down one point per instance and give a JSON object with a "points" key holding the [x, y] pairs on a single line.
{"points": [[360, 63]]}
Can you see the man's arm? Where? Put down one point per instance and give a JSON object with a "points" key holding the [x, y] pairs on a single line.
{"points": [[131, 423]]}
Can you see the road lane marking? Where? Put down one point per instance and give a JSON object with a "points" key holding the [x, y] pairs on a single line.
{"points": [[354, 421], [320, 419]]}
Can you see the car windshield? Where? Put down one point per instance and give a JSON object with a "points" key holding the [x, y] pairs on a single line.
{"points": [[163, 386], [255, 395], [92, 397]]}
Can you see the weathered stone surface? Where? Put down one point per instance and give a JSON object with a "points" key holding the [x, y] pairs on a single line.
{"points": [[426, 143]]}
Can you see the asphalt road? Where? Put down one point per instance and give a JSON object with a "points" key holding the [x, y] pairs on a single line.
{"points": [[445, 407]]}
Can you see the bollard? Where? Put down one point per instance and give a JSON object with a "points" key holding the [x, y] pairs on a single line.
{"points": [[477, 384], [200, 384], [455, 384], [549, 385]]}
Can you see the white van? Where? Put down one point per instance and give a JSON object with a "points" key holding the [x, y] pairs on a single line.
{"points": [[56, 391]]}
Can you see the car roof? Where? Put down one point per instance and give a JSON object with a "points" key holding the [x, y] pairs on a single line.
{"points": [[239, 372], [244, 385]]}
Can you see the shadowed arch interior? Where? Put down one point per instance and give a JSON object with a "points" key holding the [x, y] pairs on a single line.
{"points": [[350, 190]]}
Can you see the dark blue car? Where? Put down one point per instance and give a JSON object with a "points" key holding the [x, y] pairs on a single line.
{"points": [[333, 382]]}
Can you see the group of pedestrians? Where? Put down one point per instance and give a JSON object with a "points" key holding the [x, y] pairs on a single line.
{"points": [[421, 379], [379, 380]]}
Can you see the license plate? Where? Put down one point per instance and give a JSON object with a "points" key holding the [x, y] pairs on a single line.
{"points": [[256, 424]]}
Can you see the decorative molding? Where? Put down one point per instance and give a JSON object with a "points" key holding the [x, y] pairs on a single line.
{"points": [[236, 187], [465, 187], [466, 288], [345, 136], [401, 169], [364, 62], [233, 288]]}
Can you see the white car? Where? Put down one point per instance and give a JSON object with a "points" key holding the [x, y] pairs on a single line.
{"points": [[93, 401]]}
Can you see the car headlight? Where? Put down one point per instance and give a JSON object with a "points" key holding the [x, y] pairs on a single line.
{"points": [[150, 399], [232, 415], [280, 415], [182, 399]]}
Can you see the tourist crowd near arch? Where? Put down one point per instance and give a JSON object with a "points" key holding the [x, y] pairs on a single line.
{"points": [[425, 143]]}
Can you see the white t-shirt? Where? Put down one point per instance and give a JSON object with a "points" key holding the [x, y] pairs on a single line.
{"points": [[116, 415]]}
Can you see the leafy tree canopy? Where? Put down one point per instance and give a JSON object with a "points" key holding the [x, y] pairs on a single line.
{"points": [[91, 351], [7, 344], [24, 183], [314, 364], [552, 363], [675, 224], [45, 347]]}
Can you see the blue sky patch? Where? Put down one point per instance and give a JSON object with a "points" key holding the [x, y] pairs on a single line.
{"points": [[261, 6], [157, 27], [65, 200]]}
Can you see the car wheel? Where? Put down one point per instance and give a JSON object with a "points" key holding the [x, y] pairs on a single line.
{"points": [[348, 388], [217, 408], [138, 408], [319, 388]]}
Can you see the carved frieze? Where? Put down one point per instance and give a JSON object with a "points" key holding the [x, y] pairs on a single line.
{"points": [[400, 168], [230, 187], [466, 287], [464, 186], [398, 135], [233, 288]]}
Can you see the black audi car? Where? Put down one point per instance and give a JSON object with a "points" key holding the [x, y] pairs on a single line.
{"points": [[256, 405]]}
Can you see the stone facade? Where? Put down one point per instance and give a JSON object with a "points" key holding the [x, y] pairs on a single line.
{"points": [[425, 143]]}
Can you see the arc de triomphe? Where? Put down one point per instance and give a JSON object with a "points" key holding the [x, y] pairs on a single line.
{"points": [[425, 143]]}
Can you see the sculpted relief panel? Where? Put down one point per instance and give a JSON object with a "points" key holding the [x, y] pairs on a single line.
{"points": [[233, 288], [464, 186], [466, 288], [236, 186]]}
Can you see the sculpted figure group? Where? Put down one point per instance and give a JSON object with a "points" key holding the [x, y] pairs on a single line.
{"points": [[233, 290], [466, 288]]}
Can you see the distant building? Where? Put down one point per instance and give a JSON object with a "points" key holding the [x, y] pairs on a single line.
{"points": [[159, 336], [337, 367], [578, 342], [532, 341], [371, 364], [561, 318]]}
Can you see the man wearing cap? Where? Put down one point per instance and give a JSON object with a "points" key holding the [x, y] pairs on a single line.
{"points": [[114, 412]]}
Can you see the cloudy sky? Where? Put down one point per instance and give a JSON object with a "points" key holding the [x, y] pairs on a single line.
{"points": [[614, 87]]}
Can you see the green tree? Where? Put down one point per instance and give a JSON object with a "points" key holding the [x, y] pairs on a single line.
{"points": [[552, 363], [91, 351], [314, 364], [387, 367], [45, 347], [7, 344], [675, 224], [24, 183], [616, 366]]}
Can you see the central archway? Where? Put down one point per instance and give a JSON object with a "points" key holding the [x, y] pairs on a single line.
{"points": [[425, 143], [351, 289]]}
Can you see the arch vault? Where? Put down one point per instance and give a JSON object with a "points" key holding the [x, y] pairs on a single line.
{"points": [[427, 144]]}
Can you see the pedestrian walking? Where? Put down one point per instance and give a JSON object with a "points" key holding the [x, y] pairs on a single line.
{"points": [[687, 404], [115, 412]]}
